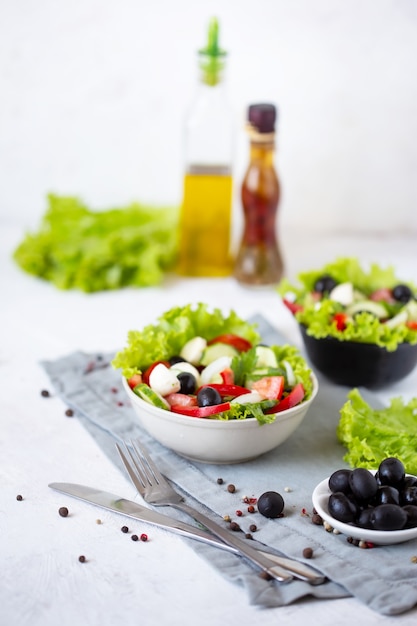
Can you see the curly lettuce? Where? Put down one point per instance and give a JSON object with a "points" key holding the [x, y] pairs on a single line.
{"points": [[370, 435], [173, 329], [77, 248], [318, 316]]}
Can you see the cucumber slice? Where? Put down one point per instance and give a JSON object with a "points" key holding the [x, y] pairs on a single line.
{"points": [[149, 395], [216, 351], [265, 357], [369, 306]]}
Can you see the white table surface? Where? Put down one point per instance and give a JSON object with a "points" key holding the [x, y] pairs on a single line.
{"points": [[122, 582]]}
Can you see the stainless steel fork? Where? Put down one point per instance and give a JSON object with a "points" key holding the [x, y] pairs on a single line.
{"points": [[157, 491]]}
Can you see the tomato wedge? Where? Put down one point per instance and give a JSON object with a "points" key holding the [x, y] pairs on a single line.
{"points": [[201, 411], [181, 399], [411, 324], [134, 380], [151, 367], [240, 343], [227, 390], [269, 387], [294, 397]]}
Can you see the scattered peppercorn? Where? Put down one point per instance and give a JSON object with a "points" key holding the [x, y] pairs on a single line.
{"points": [[287, 489], [239, 513], [144, 537], [45, 393], [308, 553], [227, 518], [124, 529], [413, 559], [98, 521], [220, 481], [69, 412], [234, 526], [63, 511], [82, 559], [114, 390], [251, 508], [134, 537], [231, 488], [248, 536], [120, 403], [317, 519], [253, 528], [19, 497]]}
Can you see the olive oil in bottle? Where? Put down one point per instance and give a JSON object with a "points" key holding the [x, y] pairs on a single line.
{"points": [[205, 219]]}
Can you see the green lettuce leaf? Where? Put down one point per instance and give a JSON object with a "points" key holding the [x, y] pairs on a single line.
{"points": [[77, 248], [371, 435]]}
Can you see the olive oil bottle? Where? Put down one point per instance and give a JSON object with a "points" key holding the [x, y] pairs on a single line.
{"points": [[206, 211]]}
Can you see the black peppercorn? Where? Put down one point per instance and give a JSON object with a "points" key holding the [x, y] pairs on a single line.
{"points": [[124, 529], [231, 488], [63, 511], [19, 497]]}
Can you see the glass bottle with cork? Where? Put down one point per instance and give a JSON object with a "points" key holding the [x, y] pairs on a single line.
{"points": [[258, 260], [206, 211]]}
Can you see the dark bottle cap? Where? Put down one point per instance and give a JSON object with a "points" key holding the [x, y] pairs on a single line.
{"points": [[262, 117]]}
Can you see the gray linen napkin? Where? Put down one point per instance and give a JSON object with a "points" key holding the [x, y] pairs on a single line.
{"points": [[383, 578]]}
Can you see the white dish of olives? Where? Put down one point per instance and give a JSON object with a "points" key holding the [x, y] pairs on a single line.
{"points": [[373, 517]]}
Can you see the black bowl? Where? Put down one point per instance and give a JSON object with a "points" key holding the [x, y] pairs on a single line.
{"points": [[358, 364]]}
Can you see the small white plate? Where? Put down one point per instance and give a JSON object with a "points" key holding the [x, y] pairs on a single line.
{"points": [[379, 537]]}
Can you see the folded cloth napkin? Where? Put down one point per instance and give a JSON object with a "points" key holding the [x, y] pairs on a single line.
{"points": [[384, 578]]}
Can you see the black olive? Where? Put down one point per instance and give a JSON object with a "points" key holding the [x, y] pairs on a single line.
{"points": [[409, 496], [339, 481], [208, 396], [391, 472], [270, 504], [176, 359], [363, 484], [342, 508], [324, 284], [411, 511], [402, 293], [388, 517], [188, 382], [386, 495], [410, 481], [365, 518]]}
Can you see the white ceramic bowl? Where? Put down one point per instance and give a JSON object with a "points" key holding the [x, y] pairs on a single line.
{"points": [[379, 537], [218, 441]]}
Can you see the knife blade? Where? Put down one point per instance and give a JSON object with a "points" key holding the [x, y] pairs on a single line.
{"points": [[120, 505]]}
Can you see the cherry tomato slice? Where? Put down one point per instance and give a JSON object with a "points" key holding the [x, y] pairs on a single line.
{"points": [[240, 343], [201, 411], [294, 397], [134, 380], [411, 324], [151, 367], [340, 319]]}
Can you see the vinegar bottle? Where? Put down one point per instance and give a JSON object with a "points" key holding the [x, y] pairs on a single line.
{"points": [[206, 211], [258, 260]]}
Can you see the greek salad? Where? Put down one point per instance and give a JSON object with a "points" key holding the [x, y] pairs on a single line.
{"points": [[344, 301], [202, 364]]}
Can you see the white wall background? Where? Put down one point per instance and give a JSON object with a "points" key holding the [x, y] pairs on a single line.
{"points": [[93, 94]]}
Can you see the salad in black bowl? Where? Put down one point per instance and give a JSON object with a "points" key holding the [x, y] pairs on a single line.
{"points": [[359, 327]]}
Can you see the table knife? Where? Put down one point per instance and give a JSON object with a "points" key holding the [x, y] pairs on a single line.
{"points": [[112, 502]]}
